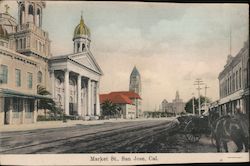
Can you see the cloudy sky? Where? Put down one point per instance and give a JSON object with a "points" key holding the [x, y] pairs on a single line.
{"points": [[170, 44]]}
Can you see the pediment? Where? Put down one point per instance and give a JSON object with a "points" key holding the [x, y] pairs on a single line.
{"points": [[86, 59]]}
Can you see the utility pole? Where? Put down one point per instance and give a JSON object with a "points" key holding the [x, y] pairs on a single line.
{"points": [[206, 87], [199, 82], [193, 104]]}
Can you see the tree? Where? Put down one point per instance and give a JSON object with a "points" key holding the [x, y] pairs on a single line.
{"points": [[110, 109], [189, 104], [46, 103]]}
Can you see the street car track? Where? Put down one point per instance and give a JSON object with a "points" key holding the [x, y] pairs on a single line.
{"points": [[66, 140]]}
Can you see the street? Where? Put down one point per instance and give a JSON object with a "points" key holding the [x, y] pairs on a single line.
{"points": [[156, 136]]}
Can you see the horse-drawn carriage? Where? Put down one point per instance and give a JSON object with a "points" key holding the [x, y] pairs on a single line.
{"points": [[193, 127], [221, 129]]}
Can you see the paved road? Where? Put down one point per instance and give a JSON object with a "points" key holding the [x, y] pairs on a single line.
{"points": [[130, 137]]}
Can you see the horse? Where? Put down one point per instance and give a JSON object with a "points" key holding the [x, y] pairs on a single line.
{"points": [[229, 128]]}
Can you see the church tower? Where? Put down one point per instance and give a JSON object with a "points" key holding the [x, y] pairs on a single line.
{"points": [[81, 37], [135, 81], [30, 39], [135, 86]]}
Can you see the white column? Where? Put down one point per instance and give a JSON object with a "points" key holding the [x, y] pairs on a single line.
{"points": [[79, 84], [53, 83], [97, 100], [93, 97], [66, 92], [89, 98]]}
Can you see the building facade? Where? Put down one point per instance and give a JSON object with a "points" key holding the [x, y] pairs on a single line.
{"points": [[234, 83], [26, 62], [176, 107], [75, 77], [125, 100], [135, 86]]}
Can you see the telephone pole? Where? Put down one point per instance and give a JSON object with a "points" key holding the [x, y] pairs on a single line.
{"points": [[199, 82], [206, 87]]}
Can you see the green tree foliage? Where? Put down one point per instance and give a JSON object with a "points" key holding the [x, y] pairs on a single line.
{"points": [[189, 104], [110, 109], [47, 103]]}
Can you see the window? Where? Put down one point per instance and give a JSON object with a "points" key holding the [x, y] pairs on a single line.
{"points": [[38, 21], [83, 46], [78, 47], [17, 107], [24, 43], [30, 80], [18, 77], [3, 74], [22, 14], [39, 77], [31, 9]]}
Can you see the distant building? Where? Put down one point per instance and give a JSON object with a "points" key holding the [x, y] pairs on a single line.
{"points": [[234, 83], [126, 100], [135, 86], [176, 107]]}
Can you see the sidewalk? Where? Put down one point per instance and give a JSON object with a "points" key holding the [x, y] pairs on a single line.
{"points": [[69, 123]]}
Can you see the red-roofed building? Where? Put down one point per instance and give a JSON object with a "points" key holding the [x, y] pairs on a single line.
{"points": [[125, 100]]}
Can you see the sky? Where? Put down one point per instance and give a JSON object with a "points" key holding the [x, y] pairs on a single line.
{"points": [[170, 44]]}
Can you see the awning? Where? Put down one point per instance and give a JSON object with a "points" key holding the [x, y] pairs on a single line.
{"points": [[12, 93], [234, 96]]}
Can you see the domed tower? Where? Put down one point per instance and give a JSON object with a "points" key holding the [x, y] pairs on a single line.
{"points": [[81, 37], [135, 86], [7, 29]]}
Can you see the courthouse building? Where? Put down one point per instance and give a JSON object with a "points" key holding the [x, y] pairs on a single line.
{"points": [[26, 62], [176, 107]]}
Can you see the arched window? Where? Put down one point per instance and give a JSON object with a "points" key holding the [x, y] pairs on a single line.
{"points": [[31, 11], [31, 14], [78, 47], [38, 18], [22, 13], [39, 77], [83, 46]]}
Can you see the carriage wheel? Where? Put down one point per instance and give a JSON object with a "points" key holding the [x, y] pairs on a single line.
{"points": [[191, 132]]}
